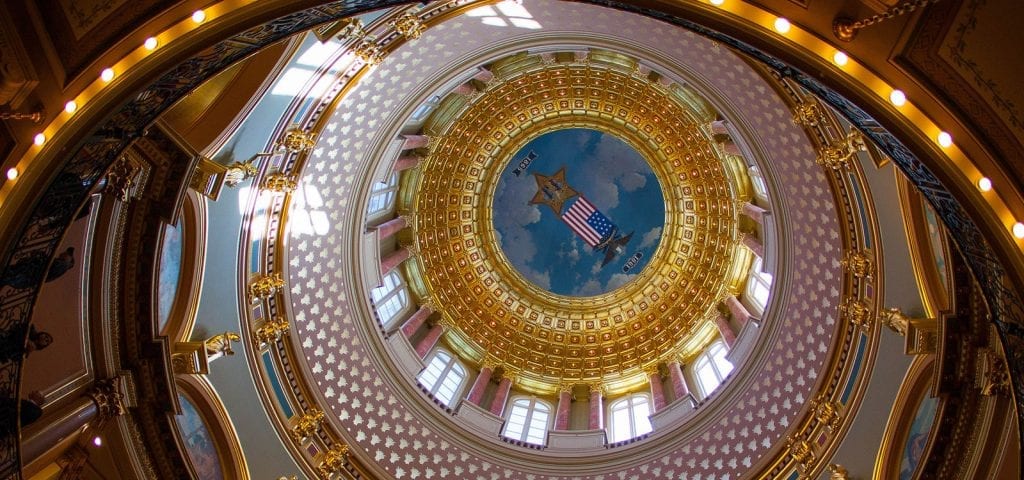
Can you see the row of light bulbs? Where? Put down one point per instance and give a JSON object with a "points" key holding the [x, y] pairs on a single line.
{"points": [[780, 24]]}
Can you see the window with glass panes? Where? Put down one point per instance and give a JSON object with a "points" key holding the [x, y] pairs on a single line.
{"points": [[443, 377], [628, 417], [711, 368], [527, 420], [382, 197], [758, 284], [390, 298], [757, 180]]}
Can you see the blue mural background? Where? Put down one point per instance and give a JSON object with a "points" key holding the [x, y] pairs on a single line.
{"points": [[612, 176]]}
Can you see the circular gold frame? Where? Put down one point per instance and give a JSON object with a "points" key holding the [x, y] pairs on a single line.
{"points": [[544, 339]]}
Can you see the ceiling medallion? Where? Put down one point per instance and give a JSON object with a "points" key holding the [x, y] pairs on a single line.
{"points": [[545, 338]]}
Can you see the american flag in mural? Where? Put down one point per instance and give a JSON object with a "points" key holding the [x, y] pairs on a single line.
{"points": [[589, 223]]}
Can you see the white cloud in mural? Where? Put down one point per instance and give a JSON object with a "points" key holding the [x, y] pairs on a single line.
{"points": [[651, 237], [589, 289], [617, 280]]}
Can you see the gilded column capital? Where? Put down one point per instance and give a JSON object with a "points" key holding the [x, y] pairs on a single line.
{"points": [[428, 304], [565, 387], [596, 388], [108, 394]]}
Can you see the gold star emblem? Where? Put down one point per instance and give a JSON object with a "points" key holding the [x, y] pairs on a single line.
{"points": [[553, 191]]}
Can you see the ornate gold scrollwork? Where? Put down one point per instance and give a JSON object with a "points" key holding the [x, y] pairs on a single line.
{"points": [[826, 412], [369, 51], [856, 312], [859, 264], [307, 425], [270, 331], [837, 472], [120, 179], [996, 377], [333, 460], [837, 156], [264, 287], [807, 114], [895, 320], [801, 452], [109, 398], [409, 25], [296, 140], [280, 183]]}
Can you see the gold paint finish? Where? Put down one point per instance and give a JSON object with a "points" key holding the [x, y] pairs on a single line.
{"points": [[544, 339]]}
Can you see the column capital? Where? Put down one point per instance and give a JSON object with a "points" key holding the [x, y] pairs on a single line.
{"points": [[596, 388], [110, 398]]}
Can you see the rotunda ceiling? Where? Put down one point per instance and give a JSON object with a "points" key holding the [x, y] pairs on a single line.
{"points": [[545, 338], [388, 419]]}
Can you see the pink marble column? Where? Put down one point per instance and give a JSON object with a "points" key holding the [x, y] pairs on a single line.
{"points": [[738, 311], [483, 75], [657, 391], [406, 162], [562, 412], [393, 259], [415, 141], [464, 89], [754, 244], [731, 148], [501, 396], [391, 227], [675, 371], [596, 408], [718, 127], [725, 330], [416, 320], [429, 340], [60, 426], [476, 392], [755, 212]]}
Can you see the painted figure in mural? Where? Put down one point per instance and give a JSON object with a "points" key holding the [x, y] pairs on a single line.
{"points": [[28, 271]]}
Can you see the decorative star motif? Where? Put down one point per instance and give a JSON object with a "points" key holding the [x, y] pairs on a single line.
{"points": [[553, 191]]}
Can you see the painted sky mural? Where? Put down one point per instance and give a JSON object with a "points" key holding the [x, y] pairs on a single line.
{"points": [[578, 212]]}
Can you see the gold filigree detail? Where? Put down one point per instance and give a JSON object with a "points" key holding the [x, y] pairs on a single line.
{"points": [[264, 287], [333, 460], [297, 140], [307, 425], [801, 452], [839, 154], [807, 114], [280, 183], [859, 264], [895, 320], [856, 312], [826, 412], [120, 179], [409, 25], [996, 377], [837, 472], [369, 51], [270, 331]]}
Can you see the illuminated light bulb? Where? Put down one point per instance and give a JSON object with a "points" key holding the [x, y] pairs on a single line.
{"points": [[107, 74], [151, 43], [717, 2], [898, 98], [1018, 230], [840, 58], [198, 16], [97, 441], [40, 139], [71, 106], [984, 184], [781, 25], [945, 139], [12, 173]]}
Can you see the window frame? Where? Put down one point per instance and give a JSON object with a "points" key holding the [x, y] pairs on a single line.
{"points": [[713, 359], [527, 426], [758, 183], [382, 304], [757, 279], [389, 191], [631, 403], [452, 364]]}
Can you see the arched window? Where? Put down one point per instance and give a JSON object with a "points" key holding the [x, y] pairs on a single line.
{"points": [[527, 420], [628, 417], [711, 368], [382, 197], [443, 377], [390, 298], [757, 180], [758, 285]]}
